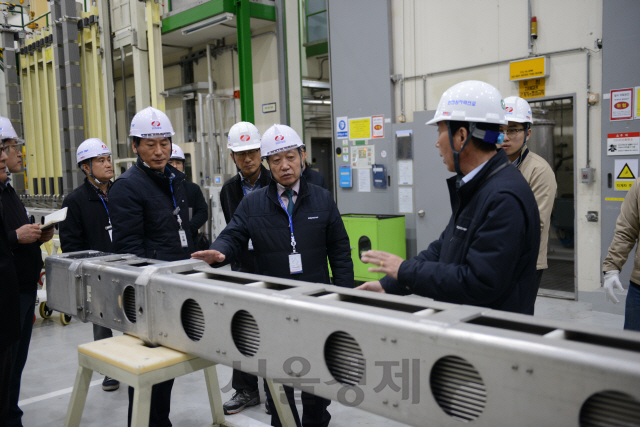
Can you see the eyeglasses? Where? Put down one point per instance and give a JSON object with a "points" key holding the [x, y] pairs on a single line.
{"points": [[243, 154], [511, 132], [7, 148]]}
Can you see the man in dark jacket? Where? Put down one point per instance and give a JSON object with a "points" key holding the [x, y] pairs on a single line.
{"points": [[487, 254], [149, 214], [9, 305], [88, 224], [294, 227], [311, 176], [24, 241], [244, 144], [198, 210]]}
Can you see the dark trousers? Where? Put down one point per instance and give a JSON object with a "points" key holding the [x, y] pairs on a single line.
{"points": [[160, 405], [242, 381], [314, 409], [20, 351], [100, 332], [632, 308], [6, 360]]}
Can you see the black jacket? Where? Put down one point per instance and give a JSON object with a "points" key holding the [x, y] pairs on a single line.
{"points": [[10, 299], [313, 177], [487, 254], [141, 209], [318, 230], [84, 229], [230, 197], [198, 207], [27, 258]]}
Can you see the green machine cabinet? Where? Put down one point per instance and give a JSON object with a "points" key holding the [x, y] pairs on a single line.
{"points": [[374, 232]]}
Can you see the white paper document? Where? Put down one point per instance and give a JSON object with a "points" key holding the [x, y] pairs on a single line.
{"points": [[54, 218], [405, 199], [405, 172], [364, 180]]}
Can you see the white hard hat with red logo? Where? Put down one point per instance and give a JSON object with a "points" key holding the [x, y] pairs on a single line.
{"points": [[6, 129], [90, 148], [243, 136], [176, 152], [151, 123], [279, 138], [471, 101], [518, 110]]}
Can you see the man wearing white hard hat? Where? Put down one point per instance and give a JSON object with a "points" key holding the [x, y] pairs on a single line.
{"points": [[198, 209], [25, 240], [150, 217], [293, 226], [487, 254], [534, 168], [88, 224], [244, 146]]}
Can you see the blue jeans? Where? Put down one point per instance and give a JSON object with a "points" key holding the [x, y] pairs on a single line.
{"points": [[20, 351], [632, 308]]}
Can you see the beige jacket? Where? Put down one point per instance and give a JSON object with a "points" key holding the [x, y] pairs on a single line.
{"points": [[626, 235], [542, 181]]}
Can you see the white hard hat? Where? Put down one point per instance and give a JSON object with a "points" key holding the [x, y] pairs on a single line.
{"points": [[471, 101], [6, 129], [518, 110], [151, 123], [243, 136], [176, 152], [279, 138], [92, 147]]}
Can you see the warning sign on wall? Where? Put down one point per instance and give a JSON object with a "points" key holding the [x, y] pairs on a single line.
{"points": [[623, 143], [533, 88], [625, 173]]}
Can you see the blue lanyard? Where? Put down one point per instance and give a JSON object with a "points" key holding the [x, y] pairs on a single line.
{"points": [[293, 239], [106, 209], [176, 209]]}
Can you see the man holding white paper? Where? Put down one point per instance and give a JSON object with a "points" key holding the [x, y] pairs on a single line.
{"points": [[88, 224], [25, 240]]}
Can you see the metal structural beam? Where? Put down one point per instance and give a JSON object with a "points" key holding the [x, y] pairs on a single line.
{"points": [[413, 360], [111, 137], [245, 63], [154, 39]]}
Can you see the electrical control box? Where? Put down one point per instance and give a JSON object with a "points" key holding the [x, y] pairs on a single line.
{"points": [[588, 175]]}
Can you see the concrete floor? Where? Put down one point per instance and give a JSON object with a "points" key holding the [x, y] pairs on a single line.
{"points": [[51, 368]]}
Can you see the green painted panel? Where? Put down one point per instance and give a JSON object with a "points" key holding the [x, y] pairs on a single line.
{"points": [[317, 49], [196, 14]]}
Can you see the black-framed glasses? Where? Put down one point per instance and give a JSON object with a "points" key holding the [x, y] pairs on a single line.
{"points": [[243, 154], [511, 132]]}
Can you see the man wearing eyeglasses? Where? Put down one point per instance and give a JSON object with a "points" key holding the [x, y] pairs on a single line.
{"points": [[534, 168], [25, 240], [244, 143]]}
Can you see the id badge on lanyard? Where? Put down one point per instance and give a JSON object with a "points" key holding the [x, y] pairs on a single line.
{"points": [[183, 235], [295, 259], [108, 227]]}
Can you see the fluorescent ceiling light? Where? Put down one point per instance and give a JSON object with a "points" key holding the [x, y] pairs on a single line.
{"points": [[218, 19]]}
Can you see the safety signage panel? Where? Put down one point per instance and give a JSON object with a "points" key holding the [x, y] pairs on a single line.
{"points": [[360, 128], [533, 88], [625, 173], [622, 104], [377, 122], [636, 111], [528, 69], [341, 128], [623, 143]]}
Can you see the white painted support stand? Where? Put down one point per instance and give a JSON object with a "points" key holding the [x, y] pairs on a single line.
{"points": [[127, 359]]}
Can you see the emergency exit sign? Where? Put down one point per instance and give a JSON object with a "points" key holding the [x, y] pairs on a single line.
{"points": [[528, 69]]}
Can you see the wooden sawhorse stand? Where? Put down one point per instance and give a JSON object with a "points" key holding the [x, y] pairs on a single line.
{"points": [[128, 360]]}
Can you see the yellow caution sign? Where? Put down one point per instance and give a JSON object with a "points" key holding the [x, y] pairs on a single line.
{"points": [[626, 173], [534, 88], [528, 69]]}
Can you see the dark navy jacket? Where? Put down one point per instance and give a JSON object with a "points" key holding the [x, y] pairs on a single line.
{"points": [[10, 291], [84, 228], [313, 177], [487, 254], [318, 230], [198, 206], [142, 214], [230, 197]]}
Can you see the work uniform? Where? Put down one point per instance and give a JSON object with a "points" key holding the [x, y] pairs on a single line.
{"points": [[87, 227], [231, 195], [537, 172], [198, 209], [319, 233], [27, 260], [624, 240], [487, 254], [313, 177], [142, 203], [9, 315]]}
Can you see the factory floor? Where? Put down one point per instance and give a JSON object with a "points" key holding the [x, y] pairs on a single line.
{"points": [[50, 372]]}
